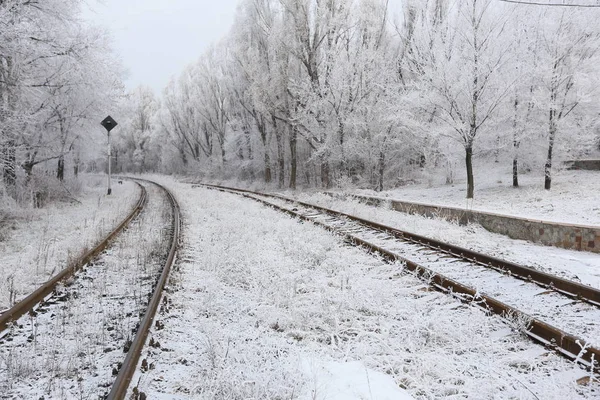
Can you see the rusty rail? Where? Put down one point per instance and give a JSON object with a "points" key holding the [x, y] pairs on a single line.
{"points": [[28, 303], [568, 345], [121, 385], [566, 287]]}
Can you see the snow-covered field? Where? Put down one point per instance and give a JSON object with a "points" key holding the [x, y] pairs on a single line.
{"points": [[575, 265], [574, 198], [262, 306], [42, 241], [70, 348]]}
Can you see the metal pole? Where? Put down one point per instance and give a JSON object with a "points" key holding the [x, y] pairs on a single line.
{"points": [[109, 157]]}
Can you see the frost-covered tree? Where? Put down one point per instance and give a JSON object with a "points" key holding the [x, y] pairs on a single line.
{"points": [[568, 70], [138, 128], [458, 62], [53, 86], [331, 92]]}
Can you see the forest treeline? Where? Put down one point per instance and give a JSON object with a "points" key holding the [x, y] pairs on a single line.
{"points": [[329, 92], [317, 93]]}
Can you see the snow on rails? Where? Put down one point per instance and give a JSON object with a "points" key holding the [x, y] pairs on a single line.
{"points": [[100, 306], [581, 309]]}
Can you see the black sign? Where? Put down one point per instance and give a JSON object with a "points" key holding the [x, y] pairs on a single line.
{"points": [[109, 123]]}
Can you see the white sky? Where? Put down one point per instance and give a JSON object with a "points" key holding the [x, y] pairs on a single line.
{"points": [[156, 39]]}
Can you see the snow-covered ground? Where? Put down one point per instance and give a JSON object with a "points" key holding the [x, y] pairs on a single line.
{"points": [[575, 265], [69, 349], [261, 306], [577, 318], [574, 197], [42, 241]]}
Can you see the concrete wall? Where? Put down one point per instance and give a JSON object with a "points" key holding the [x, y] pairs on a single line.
{"points": [[591, 165], [575, 237]]}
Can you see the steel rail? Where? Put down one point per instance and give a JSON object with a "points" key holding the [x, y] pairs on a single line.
{"points": [[566, 287], [570, 346], [28, 303], [122, 382], [555, 283]]}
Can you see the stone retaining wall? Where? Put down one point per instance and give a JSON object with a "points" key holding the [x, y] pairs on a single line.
{"points": [[590, 165], [575, 237]]}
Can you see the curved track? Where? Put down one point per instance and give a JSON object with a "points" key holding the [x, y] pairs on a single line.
{"points": [[43, 295], [121, 385], [546, 306], [28, 303]]}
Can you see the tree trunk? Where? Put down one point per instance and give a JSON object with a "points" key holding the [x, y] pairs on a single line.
{"points": [[247, 136], [548, 166], [116, 163], [280, 162], [308, 169], [516, 144], [470, 180], [474, 105], [515, 171], [28, 168], [551, 133], [10, 167], [381, 170], [60, 170], [341, 133], [222, 152], [267, 160], [263, 137], [325, 183], [280, 155], [240, 149], [268, 177], [293, 157], [497, 150]]}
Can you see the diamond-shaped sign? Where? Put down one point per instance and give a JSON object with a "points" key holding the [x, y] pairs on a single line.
{"points": [[108, 123]]}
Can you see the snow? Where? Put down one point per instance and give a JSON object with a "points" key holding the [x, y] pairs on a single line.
{"points": [[255, 294], [351, 380], [262, 306], [69, 349], [580, 266], [577, 318], [43, 240], [573, 198]]}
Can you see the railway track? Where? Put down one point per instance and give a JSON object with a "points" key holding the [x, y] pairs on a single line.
{"points": [[562, 315], [32, 300], [121, 386], [45, 310]]}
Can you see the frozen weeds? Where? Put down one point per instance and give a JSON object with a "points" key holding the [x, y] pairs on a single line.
{"points": [[255, 293], [44, 240], [580, 266], [69, 349]]}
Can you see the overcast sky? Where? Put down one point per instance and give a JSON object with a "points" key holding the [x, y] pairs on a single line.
{"points": [[157, 38]]}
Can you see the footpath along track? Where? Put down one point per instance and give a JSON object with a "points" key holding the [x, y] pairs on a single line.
{"points": [[560, 314], [74, 292]]}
